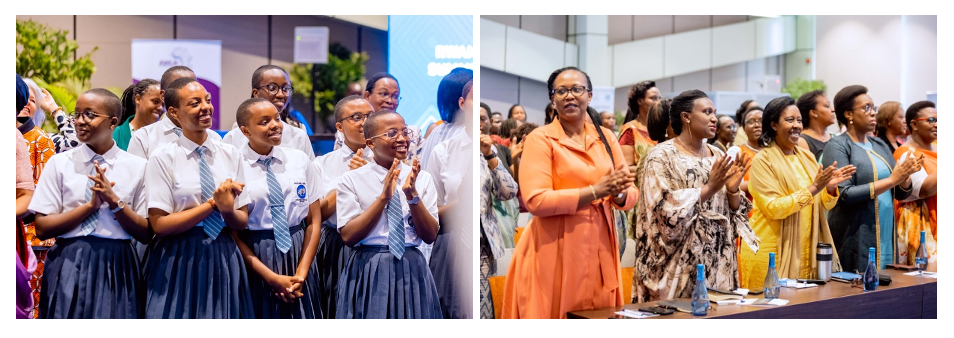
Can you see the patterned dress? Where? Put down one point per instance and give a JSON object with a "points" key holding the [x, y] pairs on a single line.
{"points": [[676, 231], [496, 184], [634, 133], [65, 139], [41, 148]]}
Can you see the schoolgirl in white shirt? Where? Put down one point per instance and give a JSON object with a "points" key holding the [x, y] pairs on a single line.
{"points": [[281, 191], [193, 269], [91, 199], [385, 220], [350, 112]]}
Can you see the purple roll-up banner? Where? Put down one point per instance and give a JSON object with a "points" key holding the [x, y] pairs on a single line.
{"points": [[151, 58]]}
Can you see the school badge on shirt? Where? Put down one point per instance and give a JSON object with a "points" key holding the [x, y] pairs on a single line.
{"points": [[300, 191]]}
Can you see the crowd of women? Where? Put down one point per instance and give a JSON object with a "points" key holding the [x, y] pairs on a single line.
{"points": [[785, 186], [135, 208]]}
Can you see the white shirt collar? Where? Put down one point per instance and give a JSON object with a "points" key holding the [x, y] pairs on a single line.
{"points": [[380, 172], [86, 154], [252, 156]]}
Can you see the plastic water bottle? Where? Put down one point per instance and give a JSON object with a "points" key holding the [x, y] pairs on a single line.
{"points": [[921, 259], [871, 273], [700, 297], [771, 285]]}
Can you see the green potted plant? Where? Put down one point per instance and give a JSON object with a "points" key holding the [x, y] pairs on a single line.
{"points": [[801, 86]]}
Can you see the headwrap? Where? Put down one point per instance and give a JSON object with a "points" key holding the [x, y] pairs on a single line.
{"points": [[23, 94]]}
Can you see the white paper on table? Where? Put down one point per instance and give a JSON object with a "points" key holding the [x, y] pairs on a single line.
{"points": [[801, 285], [773, 302], [636, 314], [747, 301], [926, 274], [742, 292]]}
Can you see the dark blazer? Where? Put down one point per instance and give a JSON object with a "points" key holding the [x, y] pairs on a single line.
{"points": [[853, 221]]}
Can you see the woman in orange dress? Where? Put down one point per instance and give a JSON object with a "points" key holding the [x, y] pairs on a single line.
{"points": [[572, 177], [919, 212]]}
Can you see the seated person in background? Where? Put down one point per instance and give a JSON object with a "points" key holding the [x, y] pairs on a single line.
{"points": [[378, 216]]}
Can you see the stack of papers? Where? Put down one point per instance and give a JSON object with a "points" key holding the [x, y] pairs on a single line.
{"points": [[926, 274], [636, 314]]}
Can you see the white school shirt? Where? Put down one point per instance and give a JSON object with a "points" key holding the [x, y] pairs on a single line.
{"points": [[292, 137], [448, 162], [331, 167], [62, 187], [359, 188], [173, 173], [295, 174], [149, 138]]}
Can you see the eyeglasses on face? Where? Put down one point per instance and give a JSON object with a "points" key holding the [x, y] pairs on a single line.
{"points": [[393, 133], [869, 109], [356, 117], [386, 95], [273, 89], [576, 90], [753, 122], [928, 119], [87, 115]]}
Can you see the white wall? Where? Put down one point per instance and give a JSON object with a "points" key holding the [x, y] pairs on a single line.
{"points": [[894, 56]]}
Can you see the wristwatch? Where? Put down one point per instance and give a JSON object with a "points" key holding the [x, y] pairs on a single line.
{"points": [[119, 206], [490, 157], [414, 201]]}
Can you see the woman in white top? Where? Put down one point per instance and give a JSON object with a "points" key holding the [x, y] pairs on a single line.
{"points": [[92, 271], [350, 112], [386, 275], [281, 190], [193, 269]]}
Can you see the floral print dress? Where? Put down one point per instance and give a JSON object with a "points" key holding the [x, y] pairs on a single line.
{"points": [[675, 230]]}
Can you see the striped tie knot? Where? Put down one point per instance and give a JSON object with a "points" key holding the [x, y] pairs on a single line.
{"points": [[267, 162], [200, 150], [276, 200], [178, 131]]}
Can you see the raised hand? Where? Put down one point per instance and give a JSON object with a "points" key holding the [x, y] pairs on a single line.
{"points": [[841, 175], [390, 180], [720, 172], [409, 188], [910, 165], [46, 102], [735, 175], [825, 176], [357, 161], [485, 144]]}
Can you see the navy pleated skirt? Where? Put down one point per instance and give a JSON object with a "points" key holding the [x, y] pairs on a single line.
{"points": [[189, 275], [375, 285], [452, 260], [265, 303], [91, 277], [333, 256]]}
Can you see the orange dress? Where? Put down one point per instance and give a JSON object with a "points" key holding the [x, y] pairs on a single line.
{"points": [[567, 258], [915, 216]]}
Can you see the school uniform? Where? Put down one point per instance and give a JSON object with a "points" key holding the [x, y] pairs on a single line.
{"points": [[292, 137], [449, 162], [415, 144], [149, 138], [279, 188], [332, 253], [379, 280], [198, 273], [92, 271]]}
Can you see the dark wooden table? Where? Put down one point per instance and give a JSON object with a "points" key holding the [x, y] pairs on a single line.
{"points": [[906, 297]]}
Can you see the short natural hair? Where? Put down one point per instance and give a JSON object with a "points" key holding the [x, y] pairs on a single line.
{"points": [[259, 73], [377, 76], [684, 102], [914, 109], [341, 103], [773, 114], [244, 111], [845, 101], [371, 124], [112, 103], [171, 95], [169, 75]]}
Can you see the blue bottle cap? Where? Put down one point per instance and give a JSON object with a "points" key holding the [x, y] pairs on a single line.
{"points": [[701, 271], [922, 236], [771, 259], [871, 250]]}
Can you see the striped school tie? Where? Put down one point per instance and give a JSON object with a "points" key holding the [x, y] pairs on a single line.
{"points": [[277, 205], [89, 224], [213, 224], [395, 226]]}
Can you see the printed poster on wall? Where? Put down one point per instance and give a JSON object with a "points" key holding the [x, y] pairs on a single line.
{"points": [[151, 58]]}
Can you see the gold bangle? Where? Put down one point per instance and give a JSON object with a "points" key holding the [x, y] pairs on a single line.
{"points": [[736, 193], [593, 191], [906, 190]]}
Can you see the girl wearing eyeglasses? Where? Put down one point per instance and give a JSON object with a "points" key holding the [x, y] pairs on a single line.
{"points": [[864, 215], [725, 134], [93, 270], [919, 212]]}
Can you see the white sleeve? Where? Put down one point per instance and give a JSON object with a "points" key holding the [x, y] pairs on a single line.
{"points": [[136, 145], [139, 197], [312, 182], [428, 194], [243, 198], [348, 207], [159, 174], [47, 198], [435, 164]]}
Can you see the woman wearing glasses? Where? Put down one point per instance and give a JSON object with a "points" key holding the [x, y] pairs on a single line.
{"points": [[791, 194], [752, 128], [93, 270], [864, 215], [384, 93], [725, 134], [919, 212], [573, 176]]}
